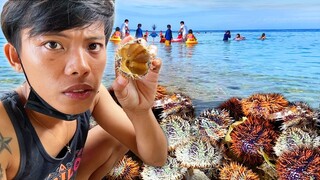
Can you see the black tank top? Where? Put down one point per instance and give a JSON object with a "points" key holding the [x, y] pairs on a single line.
{"points": [[35, 162]]}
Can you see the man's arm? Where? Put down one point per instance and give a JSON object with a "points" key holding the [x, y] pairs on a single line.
{"points": [[137, 130], [8, 147], [2, 173], [4, 150]]}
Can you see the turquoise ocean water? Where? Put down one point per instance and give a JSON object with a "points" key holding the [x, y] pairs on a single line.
{"points": [[287, 62]]}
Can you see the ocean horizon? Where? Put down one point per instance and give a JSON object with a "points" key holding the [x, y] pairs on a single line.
{"points": [[233, 30]]}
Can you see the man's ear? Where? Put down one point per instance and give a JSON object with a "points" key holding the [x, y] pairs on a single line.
{"points": [[13, 57]]}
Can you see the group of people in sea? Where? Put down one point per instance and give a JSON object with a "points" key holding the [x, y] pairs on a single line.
{"points": [[238, 37], [184, 34]]}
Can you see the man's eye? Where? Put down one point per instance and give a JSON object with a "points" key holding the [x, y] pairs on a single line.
{"points": [[94, 47], [53, 45]]}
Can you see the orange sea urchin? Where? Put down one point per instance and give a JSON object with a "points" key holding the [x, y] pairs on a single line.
{"points": [[234, 106], [302, 163], [236, 171], [125, 169], [262, 105], [250, 137]]}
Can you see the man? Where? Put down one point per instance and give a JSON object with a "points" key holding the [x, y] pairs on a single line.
{"points": [[44, 132], [125, 31], [183, 30]]}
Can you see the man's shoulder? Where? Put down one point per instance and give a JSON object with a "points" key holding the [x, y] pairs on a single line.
{"points": [[8, 143], [4, 120]]}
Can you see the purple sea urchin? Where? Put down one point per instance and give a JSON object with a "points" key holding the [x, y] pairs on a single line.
{"points": [[294, 137], [262, 105], [233, 171], [302, 163], [125, 169], [220, 117], [213, 124], [176, 104], [176, 129], [249, 137], [170, 171], [197, 153]]}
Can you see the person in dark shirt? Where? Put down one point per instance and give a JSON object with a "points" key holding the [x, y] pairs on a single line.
{"points": [[226, 36], [263, 36], [60, 47], [168, 35], [139, 33]]}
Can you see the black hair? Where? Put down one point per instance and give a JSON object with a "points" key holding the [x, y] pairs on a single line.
{"points": [[126, 20], [190, 31], [117, 29], [181, 22], [43, 16], [168, 26]]}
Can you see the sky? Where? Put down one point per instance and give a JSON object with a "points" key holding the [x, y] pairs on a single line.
{"points": [[220, 14]]}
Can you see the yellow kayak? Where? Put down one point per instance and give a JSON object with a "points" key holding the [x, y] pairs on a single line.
{"points": [[189, 41], [115, 39]]}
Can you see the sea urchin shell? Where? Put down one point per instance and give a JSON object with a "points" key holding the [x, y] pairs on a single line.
{"points": [[133, 58]]}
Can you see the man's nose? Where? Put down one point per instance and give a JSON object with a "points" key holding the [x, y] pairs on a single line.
{"points": [[77, 63]]}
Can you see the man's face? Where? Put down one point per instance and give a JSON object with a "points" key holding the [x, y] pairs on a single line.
{"points": [[65, 68]]}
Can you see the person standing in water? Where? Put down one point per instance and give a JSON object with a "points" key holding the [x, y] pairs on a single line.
{"points": [[139, 33], [125, 31], [226, 36], [168, 35], [263, 36], [183, 29]]}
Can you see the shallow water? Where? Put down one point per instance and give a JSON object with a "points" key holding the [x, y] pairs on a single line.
{"points": [[287, 62]]}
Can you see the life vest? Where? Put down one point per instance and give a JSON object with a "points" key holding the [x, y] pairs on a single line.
{"points": [[116, 34], [190, 37]]}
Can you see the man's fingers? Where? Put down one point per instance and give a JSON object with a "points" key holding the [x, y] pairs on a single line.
{"points": [[119, 87], [126, 39], [155, 65], [154, 70]]}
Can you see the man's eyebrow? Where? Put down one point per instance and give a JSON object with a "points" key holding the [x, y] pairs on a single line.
{"points": [[96, 38], [55, 34], [66, 36]]}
